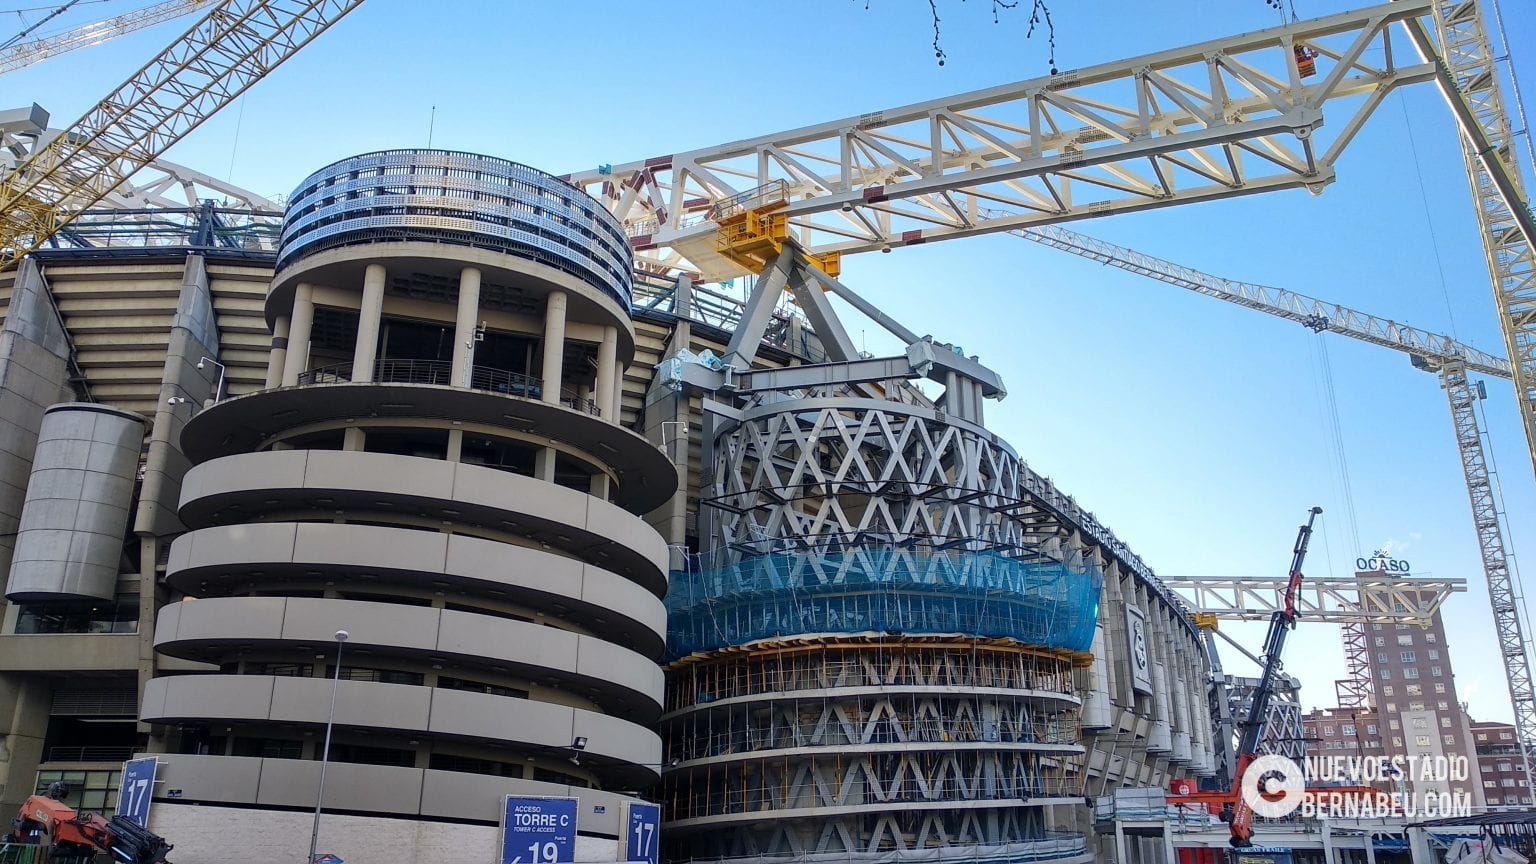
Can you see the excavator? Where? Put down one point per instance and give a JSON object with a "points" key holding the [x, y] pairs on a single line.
{"points": [[76, 838]]}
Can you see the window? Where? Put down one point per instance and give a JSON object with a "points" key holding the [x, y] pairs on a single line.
{"points": [[1415, 706], [1415, 690], [1430, 638], [1439, 688], [1444, 705], [1487, 768], [1421, 740], [1391, 707], [1394, 724], [1348, 729], [1421, 722], [1387, 690], [1482, 736], [280, 670], [1490, 784], [1445, 722], [1375, 626], [1328, 731], [1397, 742], [1385, 674], [1410, 672], [1405, 639], [90, 791], [1381, 657], [383, 676], [1507, 783], [1408, 657], [1435, 671], [1434, 654], [1506, 736], [1380, 641], [1370, 729], [1449, 739]]}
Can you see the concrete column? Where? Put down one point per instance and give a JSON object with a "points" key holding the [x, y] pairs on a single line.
{"points": [[599, 486], [352, 438], [544, 465], [464, 326], [607, 362], [369, 315], [279, 352], [554, 345], [455, 445], [298, 333], [612, 411]]}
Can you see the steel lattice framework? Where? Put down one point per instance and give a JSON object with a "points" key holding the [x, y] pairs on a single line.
{"points": [[1230, 117], [205, 69], [1490, 542], [1360, 598]]}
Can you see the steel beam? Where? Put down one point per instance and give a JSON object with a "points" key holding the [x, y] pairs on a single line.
{"points": [[1371, 599]]}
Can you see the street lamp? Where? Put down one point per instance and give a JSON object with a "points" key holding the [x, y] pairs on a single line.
{"points": [[325, 753]]}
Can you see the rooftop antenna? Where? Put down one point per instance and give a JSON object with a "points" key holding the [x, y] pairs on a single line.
{"points": [[431, 124]]}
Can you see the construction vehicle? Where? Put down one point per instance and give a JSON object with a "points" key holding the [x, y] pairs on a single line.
{"points": [[1281, 621], [69, 836]]}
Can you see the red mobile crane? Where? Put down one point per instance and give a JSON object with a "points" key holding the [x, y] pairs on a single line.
{"points": [[45, 820], [1280, 624]]}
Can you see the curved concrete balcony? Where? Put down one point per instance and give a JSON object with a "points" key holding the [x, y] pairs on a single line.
{"points": [[620, 681], [216, 560], [388, 789], [644, 477], [889, 690], [243, 488], [625, 754]]}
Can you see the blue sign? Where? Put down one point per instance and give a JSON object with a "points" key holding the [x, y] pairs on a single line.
{"points": [[538, 830], [642, 830], [136, 791]]}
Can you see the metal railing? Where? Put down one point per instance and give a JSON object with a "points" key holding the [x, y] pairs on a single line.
{"points": [[440, 372], [88, 754]]}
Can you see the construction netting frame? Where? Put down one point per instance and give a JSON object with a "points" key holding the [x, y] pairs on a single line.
{"points": [[889, 591]]}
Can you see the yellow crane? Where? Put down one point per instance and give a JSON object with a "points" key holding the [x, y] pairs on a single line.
{"points": [[23, 54], [232, 47]]}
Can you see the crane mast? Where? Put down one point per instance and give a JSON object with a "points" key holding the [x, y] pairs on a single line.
{"points": [[1451, 361]]}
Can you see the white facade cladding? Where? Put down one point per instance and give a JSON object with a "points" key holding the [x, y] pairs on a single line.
{"points": [[79, 495]]}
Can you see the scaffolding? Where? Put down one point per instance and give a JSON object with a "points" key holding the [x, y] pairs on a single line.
{"points": [[885, 591]]}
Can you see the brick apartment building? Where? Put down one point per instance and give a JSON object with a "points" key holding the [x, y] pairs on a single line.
{"points": [[1498, 764], [1415, 713]]}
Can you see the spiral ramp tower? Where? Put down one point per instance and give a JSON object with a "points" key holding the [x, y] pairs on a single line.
{"points": [[442, 475]]}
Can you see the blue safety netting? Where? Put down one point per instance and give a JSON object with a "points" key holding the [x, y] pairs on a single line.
{"points": [[894, 591]]}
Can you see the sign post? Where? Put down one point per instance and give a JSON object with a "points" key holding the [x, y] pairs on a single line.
{"points": [[642, 830], [538, 830], [137, 789]]}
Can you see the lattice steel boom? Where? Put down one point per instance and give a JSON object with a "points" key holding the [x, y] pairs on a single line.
{"points": [[202, 71], [24, 54], [1230, 117]]}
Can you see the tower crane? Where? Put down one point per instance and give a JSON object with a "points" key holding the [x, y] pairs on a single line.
{"points": [[23, 54], [206, 68], [1449, 359]]}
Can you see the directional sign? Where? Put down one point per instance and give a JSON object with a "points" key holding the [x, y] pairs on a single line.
{"points": [[136, 791], [642, 830], [536, 830]]}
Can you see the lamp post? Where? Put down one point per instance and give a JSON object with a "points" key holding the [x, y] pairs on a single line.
{"points": [[325, 753]]}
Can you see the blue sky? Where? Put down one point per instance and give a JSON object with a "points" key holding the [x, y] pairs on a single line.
{"points": [[1198, 431]]}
